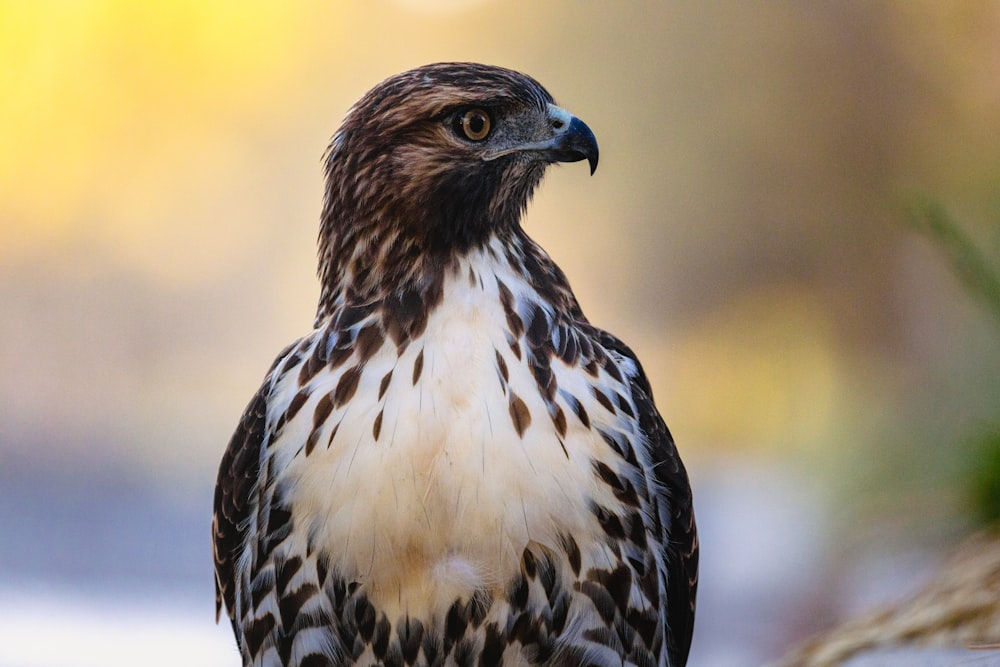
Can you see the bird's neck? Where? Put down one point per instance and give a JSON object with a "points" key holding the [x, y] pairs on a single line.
{"points": [[403, 287], [376, 243]]}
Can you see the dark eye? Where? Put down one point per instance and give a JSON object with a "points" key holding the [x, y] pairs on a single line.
{"points": [[473, 124]]}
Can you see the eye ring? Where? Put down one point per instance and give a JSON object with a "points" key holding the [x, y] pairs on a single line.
{"points": [[473, 124]]}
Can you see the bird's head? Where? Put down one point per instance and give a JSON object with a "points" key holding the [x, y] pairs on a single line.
{"points": [[435, 161]]}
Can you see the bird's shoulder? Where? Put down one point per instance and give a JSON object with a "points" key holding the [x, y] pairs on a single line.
{"points": [[237, 480], [671, 478]]}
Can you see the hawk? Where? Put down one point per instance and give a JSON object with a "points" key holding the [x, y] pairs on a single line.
{"points": [[454, 467]]}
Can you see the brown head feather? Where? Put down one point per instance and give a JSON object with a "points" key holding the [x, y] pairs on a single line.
{"points": [[405, 194]]}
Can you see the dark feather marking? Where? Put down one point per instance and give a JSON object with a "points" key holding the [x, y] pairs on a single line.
{"points": [[562, 446], [364, 616], [610, 522], [296, 404], [393, 656], [384, 384], [602, 600], [405, 312], [617, 582], [279, 521], [411, 633], [607, 474], [502, 366], [346, 386], [524, 629], [323, 408], [529, 564], [519, 414], [538, 329], [547, 574], [612, 442], [560, 612], [418, 366], [259, 590], [339, 355], [289, 362], [517, 597], [569, 351], [514, 323], [321, 571], [377, 426], [645, 622], [432, 648], [465, 652], [256, 631], [380, 640], [577, 407], [624, 406], [493, 647], [455, 624], [604, 636], [542, 372], [479, 605], [603, 399], [612, 369], [333, 434], [284, 571], [290, 604], [320, 414], [368, 342], [284, 645], [311, 441], [313, 364], [279, 423], [621, 446], [572, 550], [559, 420], [348, 316], [635, 529], [623, 489]]}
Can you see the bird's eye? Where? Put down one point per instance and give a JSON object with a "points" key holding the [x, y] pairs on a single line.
{"points": [[473, 124]]}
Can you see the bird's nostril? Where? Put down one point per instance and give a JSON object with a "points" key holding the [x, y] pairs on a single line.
{"points": [[557, 124]]}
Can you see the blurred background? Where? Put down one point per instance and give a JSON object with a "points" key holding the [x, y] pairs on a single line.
{"points": [[760, 231]]}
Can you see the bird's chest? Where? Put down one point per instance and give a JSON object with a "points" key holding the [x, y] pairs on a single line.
{"points": [[428, 482]]}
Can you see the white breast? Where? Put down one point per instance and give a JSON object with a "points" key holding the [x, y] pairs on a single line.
{"points": [[449, 495]]}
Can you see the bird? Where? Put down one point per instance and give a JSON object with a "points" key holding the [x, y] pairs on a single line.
{"points": [[454, 467]]}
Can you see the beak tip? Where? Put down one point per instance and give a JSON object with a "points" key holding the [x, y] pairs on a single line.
{"points": [[581, 139]]}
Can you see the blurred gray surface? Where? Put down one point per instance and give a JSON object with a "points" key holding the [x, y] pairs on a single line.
{"points": [[916, 657], [120, 563]]}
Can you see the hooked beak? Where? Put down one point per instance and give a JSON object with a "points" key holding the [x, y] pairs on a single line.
{"points": [[569, 140], [572, 140]]}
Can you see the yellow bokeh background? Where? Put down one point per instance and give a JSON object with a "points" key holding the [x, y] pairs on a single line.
{"points": [[160, 186]]}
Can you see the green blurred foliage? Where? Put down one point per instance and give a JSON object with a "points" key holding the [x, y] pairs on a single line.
{"points": [[984, 478], [980, 275]]}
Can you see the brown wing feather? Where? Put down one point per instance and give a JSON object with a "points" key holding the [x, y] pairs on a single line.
{"points": [[682, 542], [238, 474]]}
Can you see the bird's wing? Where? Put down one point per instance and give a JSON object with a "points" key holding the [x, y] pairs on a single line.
{"points": [[237, 478], [682, 541]]}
